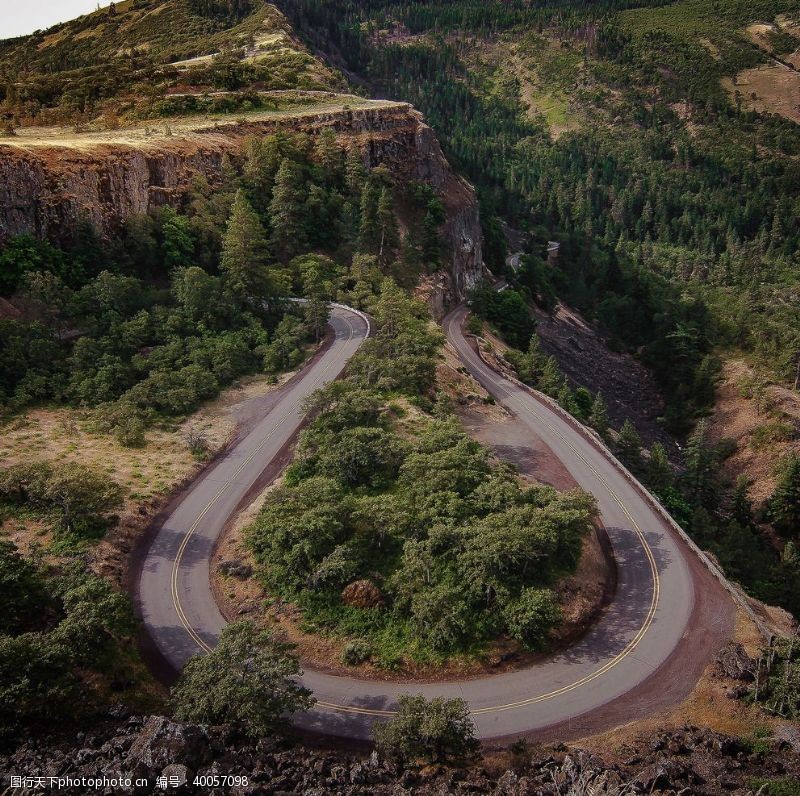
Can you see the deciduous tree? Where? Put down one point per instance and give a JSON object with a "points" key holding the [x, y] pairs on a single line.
{"points": [[245, 680]]}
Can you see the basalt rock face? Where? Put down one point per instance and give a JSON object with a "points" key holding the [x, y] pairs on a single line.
{"points": [[219, 760], [46, 189]]}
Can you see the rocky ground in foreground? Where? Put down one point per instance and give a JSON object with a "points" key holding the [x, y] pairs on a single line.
{"points": [[686, 761]]}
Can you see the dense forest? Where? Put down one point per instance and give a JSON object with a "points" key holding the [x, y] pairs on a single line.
{"points": [[101, 329], [675, 241], [675, 206]]}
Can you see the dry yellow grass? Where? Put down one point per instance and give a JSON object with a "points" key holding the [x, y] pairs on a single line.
{"points": [[297, 104], [738, 418], [147, 475], [768, 89]]}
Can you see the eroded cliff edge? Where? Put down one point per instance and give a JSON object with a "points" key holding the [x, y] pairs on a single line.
{"points": [[47, 185]]}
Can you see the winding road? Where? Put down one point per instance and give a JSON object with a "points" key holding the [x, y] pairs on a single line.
{"points": [[667, 617]]}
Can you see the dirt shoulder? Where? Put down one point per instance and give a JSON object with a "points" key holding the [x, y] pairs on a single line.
{"points": [[711, 704]]}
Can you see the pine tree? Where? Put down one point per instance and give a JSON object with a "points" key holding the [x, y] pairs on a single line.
{"points": [[244, 258], [318, 292], [630, 445], [741, 507], [431, 245], [566, 399], [369, 230], [551, 380], [701, 469], [658, 472], [598, 418], [387, 223], [355, 172], [259, 173], [286, 211], [536, 358], [328, 154], [784, 505]]}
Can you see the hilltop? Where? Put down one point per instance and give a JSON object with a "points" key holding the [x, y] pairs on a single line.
{"points": [[144, 59]]}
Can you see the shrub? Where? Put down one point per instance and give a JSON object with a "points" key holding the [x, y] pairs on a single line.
{"points": [[530, 617], [246, 680], [53, 672], [475, 325], [174, 392], [21, 591], [126, 422], [435, 730], [355, 652], [80, 498], [197, 441], [770, 433]]}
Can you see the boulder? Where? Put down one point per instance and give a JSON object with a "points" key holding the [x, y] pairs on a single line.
{"points": [[736, 663], [362, 594], [235, 569], [162, 743], [177, 772]]}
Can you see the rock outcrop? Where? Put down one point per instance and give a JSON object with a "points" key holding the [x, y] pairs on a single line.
{"points": [[45, 188], [156, 750]]}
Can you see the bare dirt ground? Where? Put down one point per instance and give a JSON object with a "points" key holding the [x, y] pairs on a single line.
{"points": [[772, 88], [583, 595], [764, 430]]}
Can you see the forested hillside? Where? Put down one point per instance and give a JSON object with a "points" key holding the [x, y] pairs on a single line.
{"points": [[677, 207], [624, 130]]}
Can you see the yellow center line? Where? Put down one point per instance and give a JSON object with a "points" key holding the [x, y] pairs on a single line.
{"points": [[632, 644], [497, 708], [185, 541]]}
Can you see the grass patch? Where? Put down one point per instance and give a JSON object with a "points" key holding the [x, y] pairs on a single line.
{"points": [[759, 741], [784, 786]]}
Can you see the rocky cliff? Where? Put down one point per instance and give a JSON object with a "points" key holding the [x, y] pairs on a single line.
{"points": [[48, 184]]}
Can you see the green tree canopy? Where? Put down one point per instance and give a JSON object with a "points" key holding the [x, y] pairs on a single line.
{"points": [[245, 260], [245, 680], [437, 731]]}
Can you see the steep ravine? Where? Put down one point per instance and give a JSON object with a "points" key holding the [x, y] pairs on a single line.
{"points": [[46, 186]]}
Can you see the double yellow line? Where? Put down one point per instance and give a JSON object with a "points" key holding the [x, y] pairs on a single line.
{"points": [[632, 644], [176, 599]]}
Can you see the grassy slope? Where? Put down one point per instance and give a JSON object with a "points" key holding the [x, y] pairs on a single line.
{"points": [[167, 31], [124, 62]]}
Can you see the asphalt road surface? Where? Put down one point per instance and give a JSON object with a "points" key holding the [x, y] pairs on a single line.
{"points": [[647, 621], [174, 593]]}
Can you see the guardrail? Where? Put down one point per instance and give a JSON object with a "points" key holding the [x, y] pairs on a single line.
{"points": [[363, 315], [595, 439]]}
